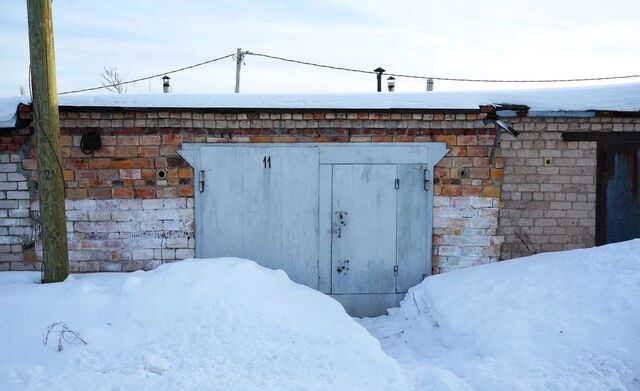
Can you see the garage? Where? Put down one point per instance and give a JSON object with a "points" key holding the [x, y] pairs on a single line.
{"points": [[350, 220]]}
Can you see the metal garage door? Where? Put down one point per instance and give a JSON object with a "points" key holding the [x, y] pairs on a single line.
{"points": [[353, 221]]}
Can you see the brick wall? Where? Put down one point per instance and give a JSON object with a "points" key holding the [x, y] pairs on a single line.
{"points": [[551, 207], [138, 145], [17, 231], [130, 204]]}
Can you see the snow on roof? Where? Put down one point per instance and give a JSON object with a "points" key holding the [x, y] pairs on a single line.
{"points": [[9, 110], [622, 97]]}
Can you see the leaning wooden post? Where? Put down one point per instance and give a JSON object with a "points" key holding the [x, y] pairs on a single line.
{"points": [[55, 257]]}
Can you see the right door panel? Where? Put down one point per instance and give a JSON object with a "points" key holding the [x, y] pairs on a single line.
{"points": [[413, 220], [363, 253]]}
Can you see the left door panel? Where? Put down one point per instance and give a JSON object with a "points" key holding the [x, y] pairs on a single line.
{"points": [[261, 203]]}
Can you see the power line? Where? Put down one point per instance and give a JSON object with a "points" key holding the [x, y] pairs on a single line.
{"points": [[310, 63], [443, 78], [148, 77], [339, 68]]}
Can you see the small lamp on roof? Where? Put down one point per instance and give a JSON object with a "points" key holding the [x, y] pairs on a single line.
{"points": [[391, 83], [165, 84]]}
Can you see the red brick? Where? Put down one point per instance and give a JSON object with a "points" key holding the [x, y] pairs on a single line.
{"points": [[128, 140], [471, 190], [121, 163], [108, 141], [497, 173], [186, 191], [122, 192], [477, 150], [167, 192], [107, 174], [491, 191], [142, 163], [148, 174], [172, 139], [75, 194], [144, 192], [404, 139], [457, 150], [467, 140], [77, 164], [160, 162], [126, 151], [186, 172], [85, 175], [99, 163], [99, 192], [105, 152], [453, 191], [479, 172], [148, 151], [68, 175], [150, 140]]}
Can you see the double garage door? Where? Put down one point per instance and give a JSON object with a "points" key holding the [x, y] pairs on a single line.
{"points": [[353, 221]]}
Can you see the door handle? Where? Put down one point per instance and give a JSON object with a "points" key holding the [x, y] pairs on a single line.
{"points": [[340, 219]]}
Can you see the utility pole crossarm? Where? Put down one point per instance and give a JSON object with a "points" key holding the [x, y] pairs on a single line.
{"points": [[46, 122]]}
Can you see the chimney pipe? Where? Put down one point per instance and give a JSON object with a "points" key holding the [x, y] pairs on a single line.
{"points": [[379, 72], [165, 84], [429, 85]]}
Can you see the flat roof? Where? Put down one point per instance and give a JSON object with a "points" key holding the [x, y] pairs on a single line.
{"points": [[613, 98]]}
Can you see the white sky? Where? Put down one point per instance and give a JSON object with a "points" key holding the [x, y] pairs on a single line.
{"points": [[517, 39]]}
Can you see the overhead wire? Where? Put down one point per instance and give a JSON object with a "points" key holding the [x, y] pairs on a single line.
{"points": [[443, 78], [148, 77], [354, 70]]}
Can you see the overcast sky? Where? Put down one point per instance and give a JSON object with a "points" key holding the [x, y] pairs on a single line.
{"points": [[516, 39]]}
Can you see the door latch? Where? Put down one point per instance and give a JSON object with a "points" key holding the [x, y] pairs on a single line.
{"points": [[395, 271], [339, 221]]}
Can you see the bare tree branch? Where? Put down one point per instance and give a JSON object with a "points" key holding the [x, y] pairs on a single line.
{"points": [[111, 80]]}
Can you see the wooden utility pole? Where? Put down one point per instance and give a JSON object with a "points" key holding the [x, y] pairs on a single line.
{"points": [[46, 122]]}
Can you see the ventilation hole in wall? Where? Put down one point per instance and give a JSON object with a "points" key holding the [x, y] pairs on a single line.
{"points": [[463, 172], [548, 161], [162, 173]]}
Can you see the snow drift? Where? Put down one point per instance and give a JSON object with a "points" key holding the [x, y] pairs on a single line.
{"points": [[557, 321], [224, 324]]}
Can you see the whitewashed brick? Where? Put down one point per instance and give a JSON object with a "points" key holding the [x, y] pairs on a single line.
{"points": [[8, 167], [18, 195], [152, 204], [184, 253], [142, 254]]}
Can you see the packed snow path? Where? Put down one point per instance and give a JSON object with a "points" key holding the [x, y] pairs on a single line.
{"points": [[557, 321]]}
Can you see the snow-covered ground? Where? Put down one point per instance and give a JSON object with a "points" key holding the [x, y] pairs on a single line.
{"points": [[560, 321], [557, 321], [196, 325]]}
